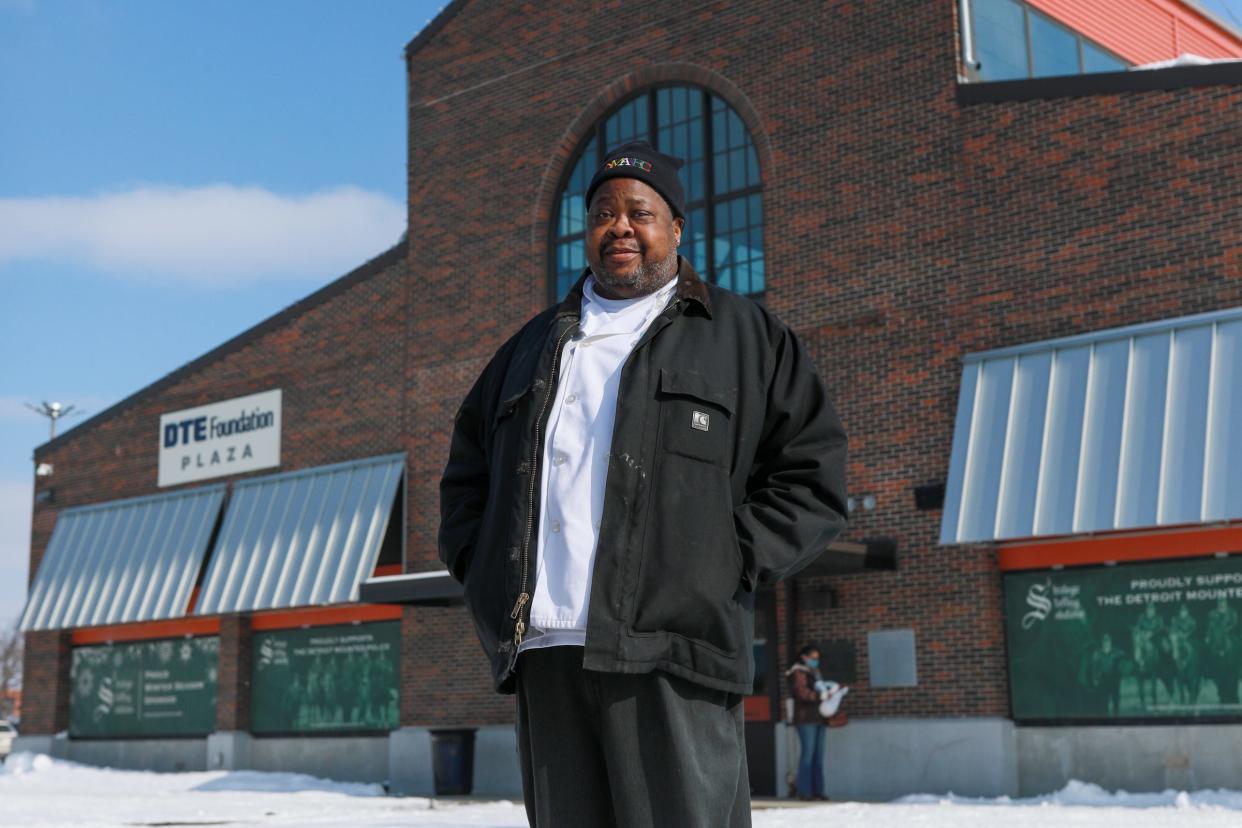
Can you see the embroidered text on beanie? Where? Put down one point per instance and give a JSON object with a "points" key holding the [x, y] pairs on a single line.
{"points": [[642, 161]]}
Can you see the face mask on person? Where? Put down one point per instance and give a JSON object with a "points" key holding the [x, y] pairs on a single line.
{"points": [[812, 663]]}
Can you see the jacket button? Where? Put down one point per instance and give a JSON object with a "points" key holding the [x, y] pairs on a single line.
{"points": [[538, 383], [523, 467], [514, 553]]}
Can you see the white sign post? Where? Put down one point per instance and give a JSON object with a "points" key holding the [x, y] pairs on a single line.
{"points": [[230, 437]]}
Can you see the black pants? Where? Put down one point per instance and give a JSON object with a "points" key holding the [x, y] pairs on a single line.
{"points": [[611, 749]]}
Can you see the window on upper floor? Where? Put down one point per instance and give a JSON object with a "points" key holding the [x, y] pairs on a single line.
{"points": [[723, 236], [1011, 41]]}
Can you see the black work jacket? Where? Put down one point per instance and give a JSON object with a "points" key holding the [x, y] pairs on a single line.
{"points": [[727, 471]]}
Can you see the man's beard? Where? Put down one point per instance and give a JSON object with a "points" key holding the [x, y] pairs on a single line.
{"points": [[647, 278]]}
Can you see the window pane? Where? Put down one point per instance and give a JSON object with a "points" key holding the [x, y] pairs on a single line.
{"points": [[693, 180], [720, 169], [735, 164], [570, 262], [738, 248], [573, 206], [1054, 49], [682, 135], [695, 232], [1095, 59], [757, 281], [737, 168], [1000, 39], [719, 133], [629, 123], [733, 256]]}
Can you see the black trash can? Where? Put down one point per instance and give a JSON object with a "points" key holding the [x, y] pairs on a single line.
{"points": [[452, 761]]}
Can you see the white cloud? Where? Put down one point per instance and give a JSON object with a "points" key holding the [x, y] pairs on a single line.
{"points": [[16, 502], [217, 235]]}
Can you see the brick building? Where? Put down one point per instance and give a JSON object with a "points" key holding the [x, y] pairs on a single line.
{"points": [[959, 246]]}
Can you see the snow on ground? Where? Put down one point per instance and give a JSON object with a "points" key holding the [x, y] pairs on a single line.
{"points": [[37, 790]]}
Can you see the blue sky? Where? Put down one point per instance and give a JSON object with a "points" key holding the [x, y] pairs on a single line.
{"points": [[172, 173]]}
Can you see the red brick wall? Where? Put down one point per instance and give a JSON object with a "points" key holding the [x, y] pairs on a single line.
{"points": [[445, 677], [903, 229], [339, 363], [45, 683], [234, 684]]}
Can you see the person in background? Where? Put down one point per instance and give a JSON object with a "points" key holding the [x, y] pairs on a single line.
{"points": [[804, 683]]}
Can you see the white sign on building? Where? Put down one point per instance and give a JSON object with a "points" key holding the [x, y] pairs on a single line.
{"points": [[230, 437]]}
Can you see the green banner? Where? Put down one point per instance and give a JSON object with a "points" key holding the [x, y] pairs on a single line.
{"points": [[327, 678], [147, 688], [1156, 640]]}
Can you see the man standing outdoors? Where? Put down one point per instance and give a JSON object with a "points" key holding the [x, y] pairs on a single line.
{"points": [[629, 467]]}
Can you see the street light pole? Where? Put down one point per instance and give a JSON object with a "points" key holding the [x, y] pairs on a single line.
{"points": [[53, 411]]}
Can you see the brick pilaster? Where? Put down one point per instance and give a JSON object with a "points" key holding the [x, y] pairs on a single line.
{"points": [[46, 683], [233, 690]]}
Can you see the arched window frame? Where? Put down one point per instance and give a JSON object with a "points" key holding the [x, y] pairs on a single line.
{"points": [[706, 203]]}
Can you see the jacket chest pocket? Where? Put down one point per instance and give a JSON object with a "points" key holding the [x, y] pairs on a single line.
{"points": [[513, 392], [506, 437], [695, 416]]}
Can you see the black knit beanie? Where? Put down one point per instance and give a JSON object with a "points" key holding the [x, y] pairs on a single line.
{"points": [[642, 161]]}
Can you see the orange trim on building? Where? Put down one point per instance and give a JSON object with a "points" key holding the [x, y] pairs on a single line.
{"points": [[1130, 546], [386, 569], [1144, 31], [263, 620], [323, 616], [172, 628]]}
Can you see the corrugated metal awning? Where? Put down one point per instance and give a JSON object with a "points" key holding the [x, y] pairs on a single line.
{"points": [[301, 538], [1121, 429], [127, 560]]}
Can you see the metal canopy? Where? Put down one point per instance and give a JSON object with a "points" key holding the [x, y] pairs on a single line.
{"points": [[301, 538], [844, 557], [123, 561], [438, 589], [1132, 427], [426, 589]]}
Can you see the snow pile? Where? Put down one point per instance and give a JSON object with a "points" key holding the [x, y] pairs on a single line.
{"points": [[43, 771], [40, 772], [286, 783], [39, 790], [42, 792], [1086, 795]]}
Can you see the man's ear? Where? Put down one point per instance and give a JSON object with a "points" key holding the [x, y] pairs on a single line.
{"points": [[678, 224]]}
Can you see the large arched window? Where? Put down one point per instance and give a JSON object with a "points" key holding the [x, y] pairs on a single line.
{"points": [[723, 237]]}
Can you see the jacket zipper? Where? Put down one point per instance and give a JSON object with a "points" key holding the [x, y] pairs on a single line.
{"points": [[519, 630]]}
